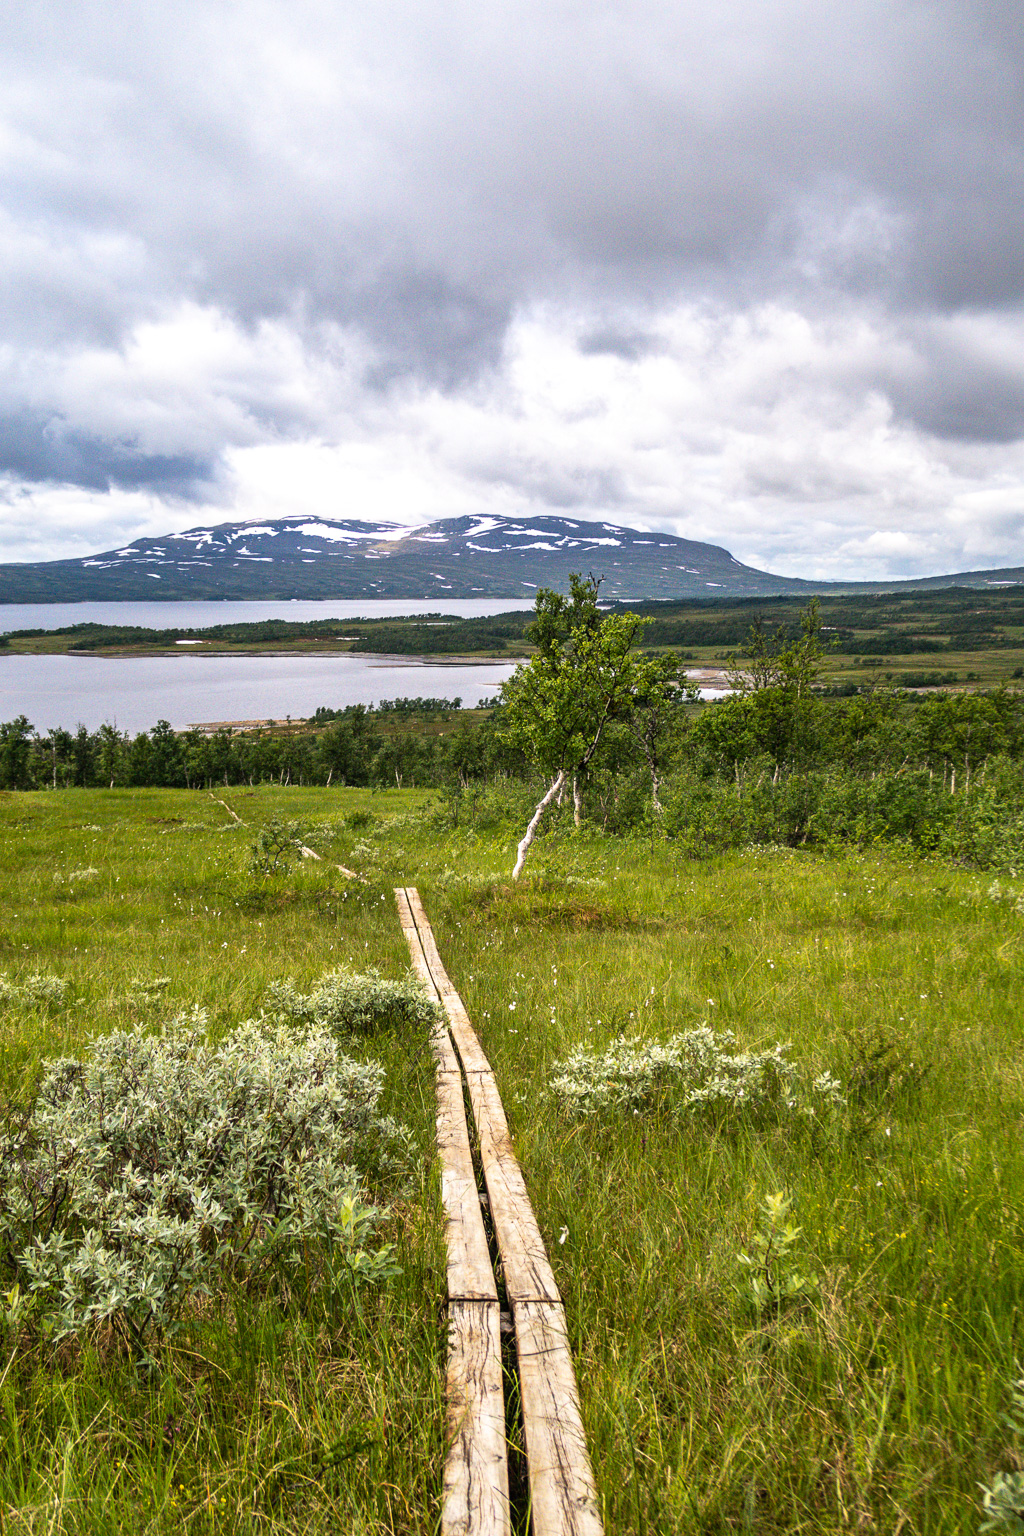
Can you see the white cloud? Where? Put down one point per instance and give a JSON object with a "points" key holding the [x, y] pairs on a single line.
{"points": [[767, 430], [754, 273]]}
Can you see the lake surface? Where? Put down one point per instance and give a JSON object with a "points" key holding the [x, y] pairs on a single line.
{"points": [[133, 693], [199, 615]]}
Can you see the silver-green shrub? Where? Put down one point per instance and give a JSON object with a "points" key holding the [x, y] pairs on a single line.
{"points": [[692, 1071], [352, 1004], [40, 990], [162, 1163], [1003, 1499]]}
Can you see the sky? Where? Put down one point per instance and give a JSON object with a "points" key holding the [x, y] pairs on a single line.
{"points": [[751, 273]]}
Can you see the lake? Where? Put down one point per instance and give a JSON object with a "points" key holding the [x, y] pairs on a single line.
{"points": [[200, 615], [133, 693]]}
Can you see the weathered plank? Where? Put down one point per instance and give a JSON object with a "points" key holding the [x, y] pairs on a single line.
{"points": [[440, 1040], [470, 1272], [475, 1497], [412, 938], [528, 1275], [463, 1033], [563, 1498]]}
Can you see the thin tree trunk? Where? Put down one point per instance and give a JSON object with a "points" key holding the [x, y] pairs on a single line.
{"points": [[577, 802], [557, 784]]}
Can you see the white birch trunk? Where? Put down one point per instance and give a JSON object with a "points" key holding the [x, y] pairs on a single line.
{"points": [[557, 784], [577, 802]]}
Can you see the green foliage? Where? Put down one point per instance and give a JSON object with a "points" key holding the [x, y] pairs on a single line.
{"points": [[146, 1174], [42, 989], [695, 1072], [1003, 1498], [778, 662], [774, 1279], [353, 1004], [556, 706], [278, 844], [881, 1072]]}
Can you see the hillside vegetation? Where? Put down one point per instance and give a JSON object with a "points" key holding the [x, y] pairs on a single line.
{"points": [[752, 1006], [783, 1320]]}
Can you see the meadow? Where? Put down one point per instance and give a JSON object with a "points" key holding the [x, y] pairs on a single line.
{"points": [[856, 1376]]}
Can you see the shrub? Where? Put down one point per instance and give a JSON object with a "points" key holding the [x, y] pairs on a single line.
{"points": [[693, 1072], [277, 845], [1003, 1499], [40, 990], [773, 1279], [161, 1163], [352, 1004]]}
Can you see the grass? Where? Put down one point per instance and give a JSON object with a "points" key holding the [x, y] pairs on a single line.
{"points": [[873, 1404]]}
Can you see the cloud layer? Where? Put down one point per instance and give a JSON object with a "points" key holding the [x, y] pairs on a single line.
{"points": [[754, 274]]}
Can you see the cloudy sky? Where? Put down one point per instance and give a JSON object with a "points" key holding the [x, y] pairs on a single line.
{"points": [[750, 272]]}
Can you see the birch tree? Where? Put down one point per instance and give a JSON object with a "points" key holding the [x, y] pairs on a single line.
{"points": [[659, 691], [557, 706]]}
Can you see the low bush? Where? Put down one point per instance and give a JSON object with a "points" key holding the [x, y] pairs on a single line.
{"points": [[351, 1004], [1003, 1498], [160, 1165], [278, 844], [40, 990], [694, 1072]]}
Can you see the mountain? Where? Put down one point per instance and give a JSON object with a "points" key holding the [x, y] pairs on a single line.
{"points": [[457, 557]]}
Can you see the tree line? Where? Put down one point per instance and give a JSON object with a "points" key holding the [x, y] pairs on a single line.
{"points": [[596, 729]]}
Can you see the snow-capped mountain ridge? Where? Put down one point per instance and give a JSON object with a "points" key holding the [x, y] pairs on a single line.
{"points": [[462, 556], [458, 557]]}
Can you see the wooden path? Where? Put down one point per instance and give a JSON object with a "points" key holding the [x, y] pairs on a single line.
{"points": [[563, 1499]]}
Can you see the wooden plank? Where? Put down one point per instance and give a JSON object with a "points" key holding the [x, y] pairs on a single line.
{"points": [[470, 1272], [475, 1495], [469, 1047], [440, 1040], [412, 938], [563, 1497], [528, 1275]]}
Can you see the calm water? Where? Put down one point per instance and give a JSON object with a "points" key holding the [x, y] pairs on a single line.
{"points": [[133, 693], [199, 615]]}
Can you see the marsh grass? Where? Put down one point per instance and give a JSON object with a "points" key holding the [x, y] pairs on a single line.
{"points": [[874, 1404], [283, 1408]]}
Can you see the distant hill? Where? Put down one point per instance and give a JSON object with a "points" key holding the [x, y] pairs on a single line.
{"points": [[457, 557]]}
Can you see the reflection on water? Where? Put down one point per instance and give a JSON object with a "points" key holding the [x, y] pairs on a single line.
{"points": [[134, 692], [198, 615]]}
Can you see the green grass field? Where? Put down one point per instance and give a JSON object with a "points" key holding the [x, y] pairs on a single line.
{"points": [[872, 1402]]}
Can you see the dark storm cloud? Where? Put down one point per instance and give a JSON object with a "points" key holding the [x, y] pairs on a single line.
{"points": [[370, 198], [965, 404], [425, 171], [34, 449]]}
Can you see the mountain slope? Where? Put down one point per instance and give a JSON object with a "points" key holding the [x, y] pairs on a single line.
{"points": [[462, 557]]}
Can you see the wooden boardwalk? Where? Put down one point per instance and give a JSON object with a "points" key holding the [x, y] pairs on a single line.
{"points": [[563, 1499]]}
